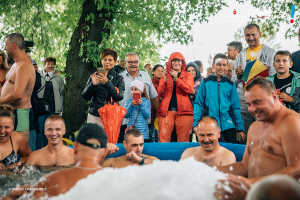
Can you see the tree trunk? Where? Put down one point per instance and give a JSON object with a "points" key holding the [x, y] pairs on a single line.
{"points": [[77, 71]]}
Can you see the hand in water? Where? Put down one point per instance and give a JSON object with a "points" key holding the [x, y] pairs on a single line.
{"points": [[241, 136], [239, 72], [234, 188], [133, 157], [12, 166], [111, 148]]}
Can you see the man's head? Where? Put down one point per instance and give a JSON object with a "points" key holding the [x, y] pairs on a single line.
{"points": [[261, 98], [210, 71], [230, 68], [91, 141], [282, 62], [132, 63], [121, 62], [252, 35], [233, 49], [208, 133], [54, 129], [220, 64], [14, 42], [148, 67], [275, 187], [134, 141], [200, 65], [35, 65]]}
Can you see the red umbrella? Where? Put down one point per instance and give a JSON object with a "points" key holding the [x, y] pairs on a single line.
{"points": [[112, 115]]}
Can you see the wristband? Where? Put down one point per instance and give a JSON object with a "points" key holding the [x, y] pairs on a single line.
{"points": [[143, 160]]}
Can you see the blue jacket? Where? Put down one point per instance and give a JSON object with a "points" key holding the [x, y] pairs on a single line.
{"points": [[144, 114], [216, 98]]}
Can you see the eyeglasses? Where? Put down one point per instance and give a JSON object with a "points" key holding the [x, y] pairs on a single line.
{"points": [[177, 60], [132, 62]]}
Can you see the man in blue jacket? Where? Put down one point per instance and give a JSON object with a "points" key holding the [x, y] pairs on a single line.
{"points": [[216, 94]]}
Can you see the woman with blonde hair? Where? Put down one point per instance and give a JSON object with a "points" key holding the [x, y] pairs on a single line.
{"points": [[3, 68], [12, 143]]}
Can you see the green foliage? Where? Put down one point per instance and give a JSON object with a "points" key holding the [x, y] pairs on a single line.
{"points": [[280, 13], [135, 24]]}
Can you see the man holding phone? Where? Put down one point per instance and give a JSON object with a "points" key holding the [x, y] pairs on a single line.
{"points": [[133, 73]]}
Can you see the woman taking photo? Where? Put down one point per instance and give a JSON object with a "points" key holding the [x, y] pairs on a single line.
{"points": [[175, 107], [194, 70], [101, 87], [12, 143], [52, 89]]}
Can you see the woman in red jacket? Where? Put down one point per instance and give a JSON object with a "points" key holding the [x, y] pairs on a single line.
{"points": [[175, 107]]}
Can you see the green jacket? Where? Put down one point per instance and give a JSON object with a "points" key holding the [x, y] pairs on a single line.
{"points": [[295, 90], [58, 90]]}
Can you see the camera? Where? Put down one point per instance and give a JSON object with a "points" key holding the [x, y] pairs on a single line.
{"points": [[27, 45]]}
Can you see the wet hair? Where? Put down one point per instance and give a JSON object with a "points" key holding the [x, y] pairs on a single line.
{"points": [[275, 187], [236, 45], [199, 63], [146, 65], [263, 83], [55, 118], [250, 26], [157, 66], [132, 54], [135, 132], [7, 111], [109, 52], [214, 120], [4, 58], [18, 39], [219, 55], [50, 59], [284, 53]]}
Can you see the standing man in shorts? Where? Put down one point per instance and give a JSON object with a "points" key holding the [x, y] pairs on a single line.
{"points": [[19, 83]]}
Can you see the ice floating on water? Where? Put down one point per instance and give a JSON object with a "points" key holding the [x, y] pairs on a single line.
{"points": [[168, 180]]}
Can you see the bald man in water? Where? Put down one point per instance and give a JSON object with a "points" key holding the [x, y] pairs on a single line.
{"points": [[210, 152], [273, 141], [134, 144], [89, 150]]}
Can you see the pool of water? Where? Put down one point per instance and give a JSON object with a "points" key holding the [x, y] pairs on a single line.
{"points": [[24, 175]]}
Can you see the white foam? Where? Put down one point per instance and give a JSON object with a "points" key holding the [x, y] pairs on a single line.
{"points": [[168, 180]]}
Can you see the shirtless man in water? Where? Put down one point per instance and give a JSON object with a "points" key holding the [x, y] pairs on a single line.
{"points": [[210, 152], [89, 150], [19, 83], [134, 144], [273, 141], [56, 153]]}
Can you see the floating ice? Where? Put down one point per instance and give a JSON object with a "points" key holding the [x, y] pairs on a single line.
{"points": [[168, 180]]}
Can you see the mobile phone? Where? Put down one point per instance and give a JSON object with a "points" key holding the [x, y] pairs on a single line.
{"points": [[100, 70], [136, 97]]}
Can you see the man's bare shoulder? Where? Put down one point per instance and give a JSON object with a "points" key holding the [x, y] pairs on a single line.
{"points": [[109, 162], [227, 156], [35, 156], [190, 152]]}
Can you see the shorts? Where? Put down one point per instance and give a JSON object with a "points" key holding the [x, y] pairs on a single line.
{"points": [[23, 119]]}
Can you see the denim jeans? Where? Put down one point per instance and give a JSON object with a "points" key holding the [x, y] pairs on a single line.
{"points": [[41, 139]]}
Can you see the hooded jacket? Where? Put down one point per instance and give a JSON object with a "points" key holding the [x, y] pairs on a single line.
{"points": [[295, 90], [197, 81], [216, 97], [184, 87]]}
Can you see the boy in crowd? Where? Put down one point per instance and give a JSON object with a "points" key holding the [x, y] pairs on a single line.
{"points": [[216, 94], [286, 81]]}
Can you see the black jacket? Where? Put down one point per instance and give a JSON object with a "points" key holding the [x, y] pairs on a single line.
{"points": [[100, 94]]}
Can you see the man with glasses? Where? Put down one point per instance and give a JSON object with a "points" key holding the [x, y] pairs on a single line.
{"points": [[133, 73]]}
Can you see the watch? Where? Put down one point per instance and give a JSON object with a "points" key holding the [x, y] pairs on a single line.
{"points": [[143, 160]]}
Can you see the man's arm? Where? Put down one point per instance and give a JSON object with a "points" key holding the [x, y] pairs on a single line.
{"points": [[186, 154], [21, 81], [31, 160], [24, 149], [228, 158], [107, 163], [149, 160]]}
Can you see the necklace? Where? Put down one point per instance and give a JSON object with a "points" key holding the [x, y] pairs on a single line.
{"points": [[87, 168]]}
